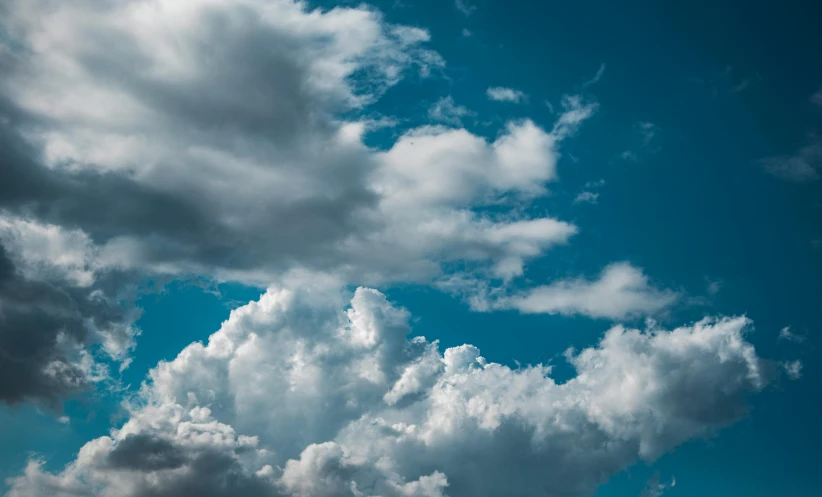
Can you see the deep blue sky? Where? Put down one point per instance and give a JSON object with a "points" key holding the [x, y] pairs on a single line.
{"points": [[725, 84]]}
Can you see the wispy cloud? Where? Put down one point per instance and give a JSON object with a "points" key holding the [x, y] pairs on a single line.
{"points": [[502, 94], [596, 77], [786, 334], [656, 489], [445, 110], [586, 198], [793, 369], [464, 7], [804, 165]]}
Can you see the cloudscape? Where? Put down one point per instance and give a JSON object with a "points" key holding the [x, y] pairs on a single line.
{"points": [[410, 249]]}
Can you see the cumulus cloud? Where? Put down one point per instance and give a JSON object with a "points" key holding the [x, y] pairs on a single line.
{"points": [[295, 397], [206, 138], [621, 291], [502, 94]]}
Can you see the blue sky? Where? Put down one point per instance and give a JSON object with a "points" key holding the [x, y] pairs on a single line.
{"points": [[694, 165]]}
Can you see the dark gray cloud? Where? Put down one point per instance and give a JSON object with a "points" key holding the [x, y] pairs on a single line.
{"points": [[145, 452], [43, 326]]}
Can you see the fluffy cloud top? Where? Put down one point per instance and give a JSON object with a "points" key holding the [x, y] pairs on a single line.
{"points": [[294, 397]]}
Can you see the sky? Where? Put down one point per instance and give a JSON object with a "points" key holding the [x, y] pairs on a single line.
{"points": [[456, 248]]}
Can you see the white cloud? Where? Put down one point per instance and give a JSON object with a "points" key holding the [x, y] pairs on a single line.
{"points": [[445, 110], [586, 198], [501, 94], [597, 76], [47, 251], [292, 397], [786, 334], [622, 291], [231, 132]]}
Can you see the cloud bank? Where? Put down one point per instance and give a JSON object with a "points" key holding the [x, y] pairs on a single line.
{"points": [[300, 395]]}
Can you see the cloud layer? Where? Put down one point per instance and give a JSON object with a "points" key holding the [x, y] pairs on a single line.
{"points": [[295, 397]]}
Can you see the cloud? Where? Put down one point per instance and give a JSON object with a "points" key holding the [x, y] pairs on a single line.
{"points": [[597, 76], [295, 397], [804, 165], [648, 131], [656, 489], [501, 94], [586, 198], [221, 144], [793, 369], [46, 323], [445, 110], [464, 8], [816, 98], [786, 334], [622, 291]]}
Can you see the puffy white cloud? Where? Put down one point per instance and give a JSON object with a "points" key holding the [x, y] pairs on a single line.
{"points": [[295, 397], [622, 291], [502, 94]]}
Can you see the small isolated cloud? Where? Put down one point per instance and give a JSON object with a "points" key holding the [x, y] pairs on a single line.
{"points": [[464, 7], [714, 286], [502, 94], [741, 86], [793, 369], [586, 198], [647, 131], [467, 33], [804, 165], [628, 155], [445, 110], [595, 184], [656, 489], [816, 98], [597, 76], [622, 291], [786, 334]]}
